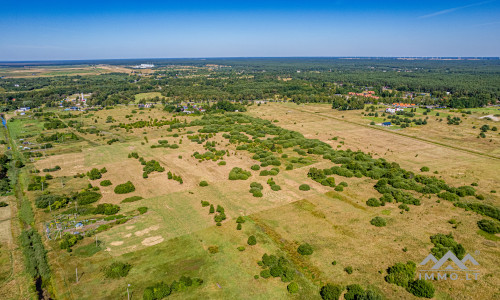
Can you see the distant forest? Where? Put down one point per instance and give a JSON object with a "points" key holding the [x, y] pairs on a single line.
{"points": [[451, 83]]}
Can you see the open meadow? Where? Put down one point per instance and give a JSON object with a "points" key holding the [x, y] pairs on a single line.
{"points": [[161, 195]]}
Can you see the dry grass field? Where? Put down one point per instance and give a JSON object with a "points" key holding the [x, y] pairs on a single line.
{"points": [[173, 237]]}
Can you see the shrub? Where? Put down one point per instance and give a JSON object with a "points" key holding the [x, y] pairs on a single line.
{"points": [[354, 292], [157, 291], [275, 187], [203, 183], [448, 196], [292, 287], [239, 174], [331, 292], [348, 270], [424, 169], [87, 197], [339, 188], [241, 248], [378, 221], [238, 227], [105, 183], [3, 204], [421, 288], [106, 209], [43, 201], [117, 270], [401, 274], [124, 188], [142, 210], [373, 202], [205, 203], [489, 226], [255, 167], [444, 243], [252, 240], [240, 219], [221, 163], [265, 273], [304, 187], [132, 199], [94, 174], [305, 249]]}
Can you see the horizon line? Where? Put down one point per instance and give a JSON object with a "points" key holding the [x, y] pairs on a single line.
{"points": [[248, 57]]}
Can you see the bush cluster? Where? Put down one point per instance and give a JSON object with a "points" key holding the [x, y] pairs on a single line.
{"points": [[105, 183], [162, 290], [117, 270], [239, 174], [489, 226], [378, 221], [305, 249], [124, 188], [274, 266], [256, 189], [173, 176]]}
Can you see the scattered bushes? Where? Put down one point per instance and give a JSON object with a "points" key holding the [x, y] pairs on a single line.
{"points": [[378, 221], [305, 249], [124, 188]]}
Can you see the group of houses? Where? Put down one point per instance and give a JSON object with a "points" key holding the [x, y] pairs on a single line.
{"points": [[191, 108], [366, 94]]}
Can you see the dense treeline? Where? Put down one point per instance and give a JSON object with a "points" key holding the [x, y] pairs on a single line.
{"points": [[471, 83]]}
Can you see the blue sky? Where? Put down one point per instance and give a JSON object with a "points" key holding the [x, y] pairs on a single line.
{"points": [[50, 30]]}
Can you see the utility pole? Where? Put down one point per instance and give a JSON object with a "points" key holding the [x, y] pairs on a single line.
{"points": [[96, 240], [76, 271], [128, 294]]}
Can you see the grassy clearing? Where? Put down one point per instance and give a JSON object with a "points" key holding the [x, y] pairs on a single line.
{"points": [[147, 96]]}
